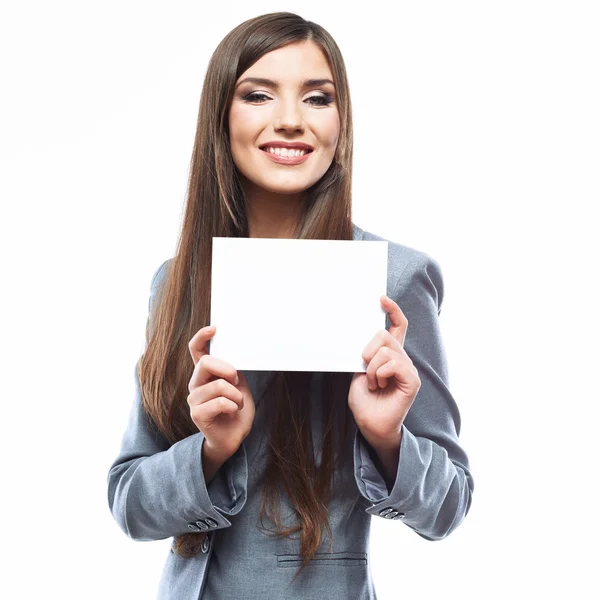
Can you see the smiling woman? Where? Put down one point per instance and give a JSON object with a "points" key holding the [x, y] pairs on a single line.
{"points": [[268, 481], [284, 103]]}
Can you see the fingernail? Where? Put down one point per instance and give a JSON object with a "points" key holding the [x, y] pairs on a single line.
{"points": [[237, 380]]}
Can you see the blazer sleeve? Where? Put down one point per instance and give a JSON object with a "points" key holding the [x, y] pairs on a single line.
{"points": [[433, 487], [157, 490]]}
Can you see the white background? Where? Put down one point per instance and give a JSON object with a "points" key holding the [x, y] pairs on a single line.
{"points": [[477, 135]]}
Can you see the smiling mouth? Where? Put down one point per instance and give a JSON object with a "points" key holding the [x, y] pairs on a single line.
{"points": [[287, 161], [266, 149]]}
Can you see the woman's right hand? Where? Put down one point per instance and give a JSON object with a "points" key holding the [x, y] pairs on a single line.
{"points": [[222, 409]]}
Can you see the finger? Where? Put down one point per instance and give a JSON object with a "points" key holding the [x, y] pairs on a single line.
{"points": [[399, 322], [382, 338], [209, 367], [198, 345], [206, 412], [382, 356], [403, 371], [214, 389]]}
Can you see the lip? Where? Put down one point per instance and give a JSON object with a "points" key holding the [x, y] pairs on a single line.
{"points": [[284, 160], [281, 144]]}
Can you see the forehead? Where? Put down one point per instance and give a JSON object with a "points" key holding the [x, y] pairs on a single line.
{"points": [[291, 63]]}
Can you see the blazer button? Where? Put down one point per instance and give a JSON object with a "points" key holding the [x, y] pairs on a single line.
{"points": [[211, 523], [202, 524], [193, 527], [205, 545], [385, 511], [399, 516], [391, 515]]}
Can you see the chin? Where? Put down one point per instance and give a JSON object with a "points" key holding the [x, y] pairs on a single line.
{"points": [[283, 188]]}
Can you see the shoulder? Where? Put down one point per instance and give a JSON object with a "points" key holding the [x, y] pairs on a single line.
{"points": [[405, 264], [159, 275], [410, 268], [157, 280]]}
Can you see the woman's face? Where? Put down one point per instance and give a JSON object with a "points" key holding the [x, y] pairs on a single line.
{"points": [[285, 109]]}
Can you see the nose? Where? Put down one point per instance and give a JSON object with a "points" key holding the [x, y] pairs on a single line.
{"points": [[288, 117]]}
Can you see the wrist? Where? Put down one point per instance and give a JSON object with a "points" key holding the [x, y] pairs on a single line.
{"points": [[386, 455], [212, 460], [385, 446], [217, 453]]}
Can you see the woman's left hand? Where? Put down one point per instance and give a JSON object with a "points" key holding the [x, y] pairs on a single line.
{"points": [[380, 412]]}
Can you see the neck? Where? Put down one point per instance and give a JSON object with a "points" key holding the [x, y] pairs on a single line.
{"points": [[272, 214]]}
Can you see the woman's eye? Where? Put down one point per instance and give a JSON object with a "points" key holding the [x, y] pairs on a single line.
{"points": [[321, 100], [254, 97]]}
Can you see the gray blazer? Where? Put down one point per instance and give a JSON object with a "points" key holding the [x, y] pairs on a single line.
{"points": [[157, 490]]}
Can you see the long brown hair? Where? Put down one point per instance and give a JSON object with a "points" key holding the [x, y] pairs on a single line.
{"points": [[216, 206]]}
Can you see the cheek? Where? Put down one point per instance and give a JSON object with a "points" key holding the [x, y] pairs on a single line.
{"points": [[245, 120], [329, 129], [243, 126]]}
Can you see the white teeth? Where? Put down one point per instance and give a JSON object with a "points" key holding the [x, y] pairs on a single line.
{"points": [[286, 151]]}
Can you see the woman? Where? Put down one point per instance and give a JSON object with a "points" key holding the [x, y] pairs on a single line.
{"points": [[214, 457]]}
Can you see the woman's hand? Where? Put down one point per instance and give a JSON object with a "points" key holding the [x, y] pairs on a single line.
{"points": [[222, 409], [379, 412]]}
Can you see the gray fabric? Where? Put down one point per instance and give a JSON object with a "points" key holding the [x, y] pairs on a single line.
{"points": [[156, 490]]}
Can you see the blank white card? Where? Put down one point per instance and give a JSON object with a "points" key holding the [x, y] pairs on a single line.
{"points": [[296, 304]]}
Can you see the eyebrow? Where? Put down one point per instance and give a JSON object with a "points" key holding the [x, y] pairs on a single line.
{"points": [[274, 84]]}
